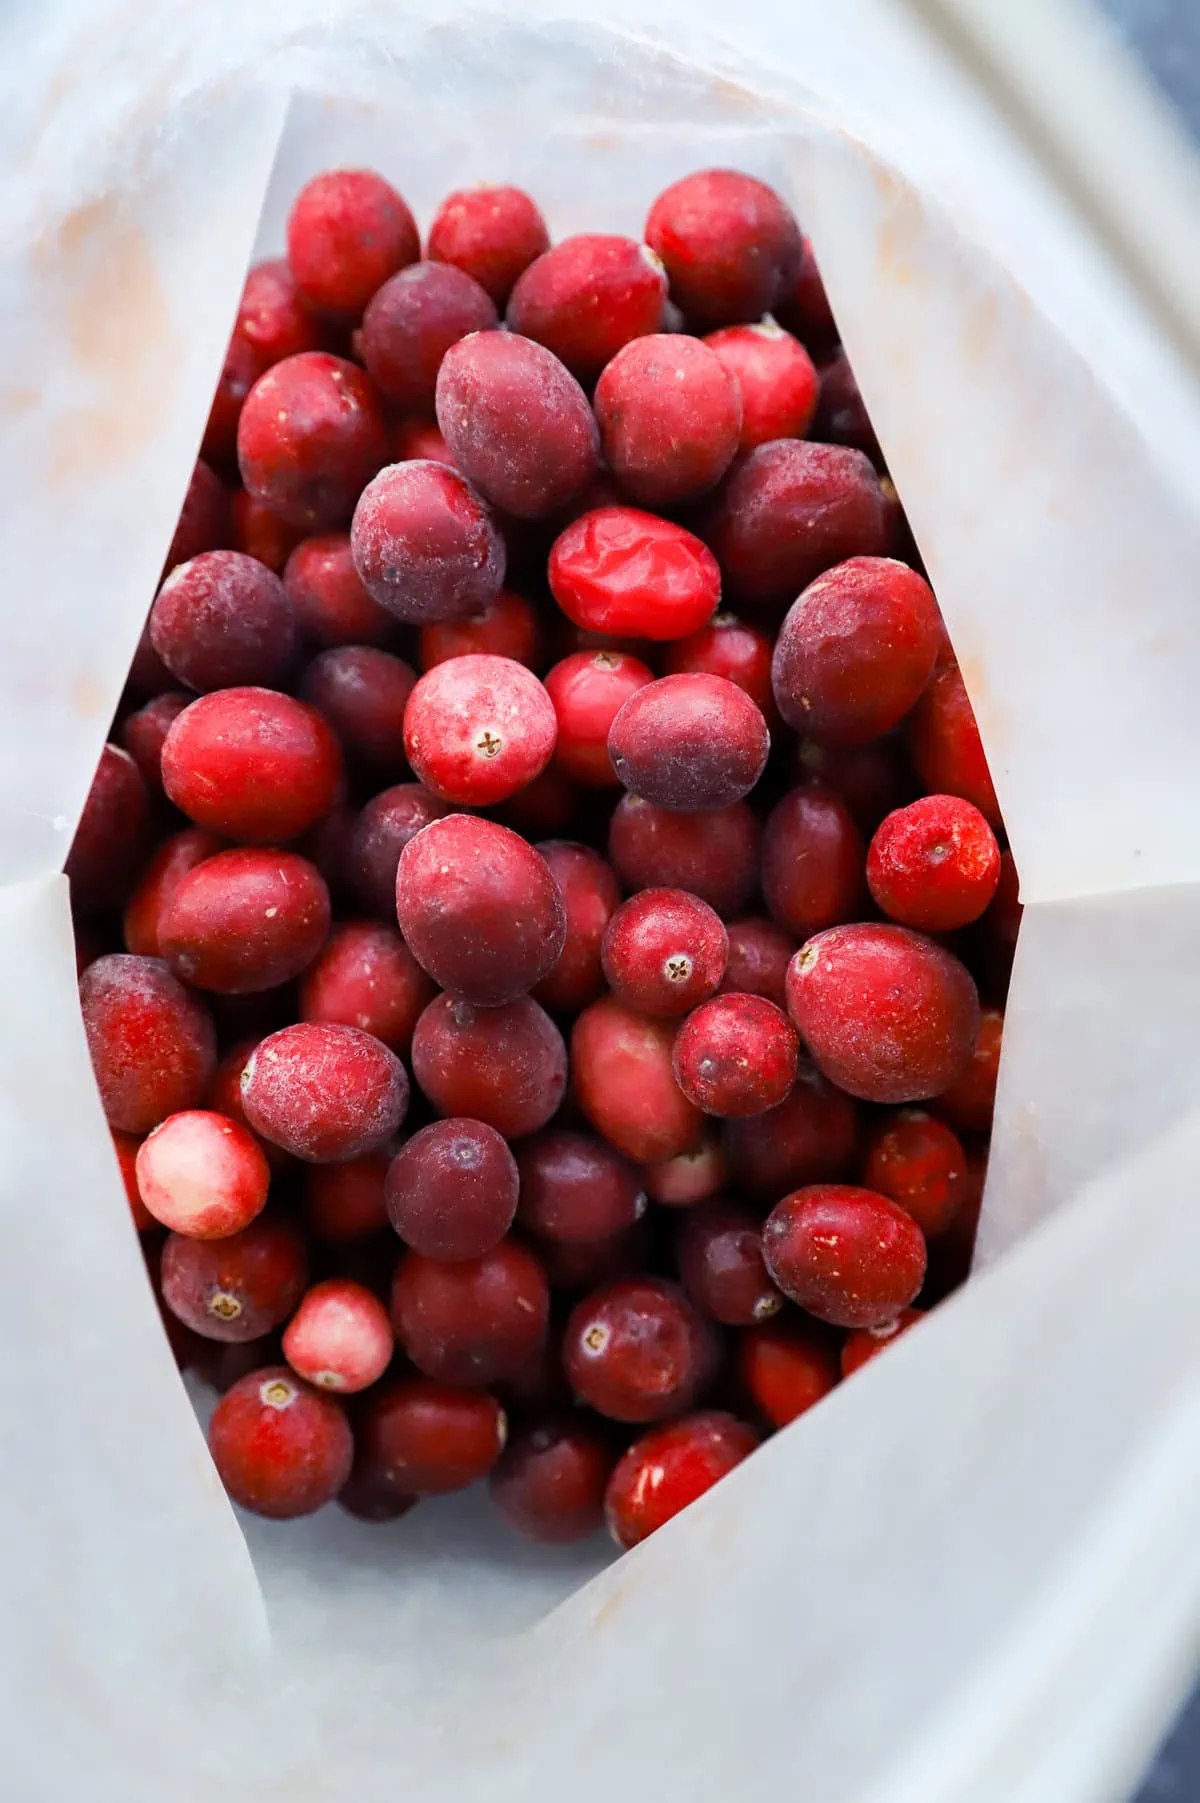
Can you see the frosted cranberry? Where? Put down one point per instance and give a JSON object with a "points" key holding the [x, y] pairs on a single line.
{"points": [[252, 764], [411, 322], [669, 1468], [669, 416], [718, 1247], [424, 544], [887, 1014], [224, 619], [506, 1066], [202, 1174], [870, 779], [173, 860], [280, 1449], [849, 1256], [573, 1266], [311, 433], [508, 627], [587, 297], [790, 510], [860, 1347], [945, 747], [517, 422], [240, 370], [842, 417], [590, 897], [549, 1481], [126, 1145], [588, 690], [577, 1188], [452, 1190], [804, 306], [690, 1177], [730, 245], [479, 909], [637, 1350], [757, 960], [328, 597], [730, 648], [920, 1165], [812, 1137], [344, 1203], [324, 1093], [714, 855], [151, 1042], [968, 1102], [340, 1337], [625, 1085], [272, 317], [144, 733], [491, 233], [366, 977], [427, 1439], [664, 951], [786, 1366], [347, 232], [618, 570], [363, 692], [203, 523], [245, 920], [378, 836], [934, 864], [813, 862], [236, 1288], [111, 837], [472, 1322], [693, 743], [478, 728], [775, 380], [736, 1055]]}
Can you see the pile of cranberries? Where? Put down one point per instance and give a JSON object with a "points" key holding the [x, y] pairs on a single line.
{"points": [[533, 913]]}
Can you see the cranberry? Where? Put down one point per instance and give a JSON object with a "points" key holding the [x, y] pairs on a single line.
{"points": [[719, 1252], [549, 1481], [203, 523], [144, 733], [426, 1439], [870, 779], [813, 862], [110, 839], [245, 920], [491, 233], [260, 533], [969, 1101], [328, 597], [478, 728], [573, 1266], [920, 1165], [379, 835], [669, 416], [577, 1188], [887, 1015], [508, 627], [126, 1145], [775, 379], [637, 1350], [366, 977], [549, 804], [324, 1093], [252, 764], [340, 1337], [240, 371], [368, 1494], [587, 297], [664, 951], [236, 1288], [736, 1054], [362, 693], [347, 232], [424, 544], [786, 1366], [693, 743], [310, 434], [280, 1449], [860, 1347], [152, 1042], [625, 1085], [224, 1095], [621, 571], [173, 860], [344, 1203], [452, 1190], [758, 958], [411, 322], [420, 439], [714, 856], [517, 422], [934, 864], [590, 898], [812, 1137], [849, 1256], [804, 306], [730, 244], [148, 675], [842, 417], [272, 316], [506, 1066], [669, 1467], [945, 747], [730, 648], [202, 1174], [224, 619], [475, 1321], [790, 510], [690, 1177], [588, 690]]}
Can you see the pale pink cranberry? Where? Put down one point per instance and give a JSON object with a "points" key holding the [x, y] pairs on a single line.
{"points": [[202, 1174], [340, 1337]]}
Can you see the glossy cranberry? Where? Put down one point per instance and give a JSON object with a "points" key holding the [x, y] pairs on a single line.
{"points": [[252, 764], [224, 619], [576, 1188], [363, 692], [588, 690], [146, 907], [425, 1439], [813, 862], [366, 977], [669, 415], [637, 1350], [934, 865], [549, 1481], [669, 1468], [506, 1066], [787, 1365], [378, 836], [452, 1190], [475, 1321], [920, 1164], [411, 322], [347, 232], [490, 232], [144, 733], [730, 648], [718, 1248], [110, 840], [714, 856], [618, 570], [236, 1288], [969, 1101], [478, 728], [151, 1041], [424, 544], [324, 1093], [774, 377], [310, 434], [849, 1256], [944, 744], [730, 245], [280, 1449], [664, 951], [508, 627], [202, 1174], [736, 1055], [328, 597], [625, 1084], [245, 920], [811, 1137], [587, 297], [860, 1347]]}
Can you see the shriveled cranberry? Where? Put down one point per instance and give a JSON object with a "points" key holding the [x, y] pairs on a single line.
{"points": [[366, 977], [811, 1137], [588, 690], [587, 297], [632, 574], [506, 1066], [549, 1481], [323, 1092], [475, 1321], [236, 1288], [669, 1468], [714, 855], [969, 1101], [426, 1439], [252, 764], [775, 379], [669, 414], [590, 896], [378, 836], [126, 1145], [173, 860], [280, 1449], [860, 1347], [758, 956], [690, 1177], [362, 693], [790, 510], [731, 246], [245, 920], [517, 422], [144, 733], [508, 627], [340, 1337], [328, 596], [310, 434], [491, 233], [736, 1055], [272, 315], [452, 1190], [692, 743], [224, 619], [425, 545], [813, 862], [934, 864], [870, 779], [152, 1042], [261, 533], [576, 1188], [202, 1174], [786, 1365], [347, 232], [345, 1203], [625, 1084], [920, 1164], [110, 839], [849, 1256], [478, 728], [638, 1350], [886, 1014], [731, 648], [842, 417], [411, 322], [945, 747], [718, 1247], [664, 951], [203, 523]]}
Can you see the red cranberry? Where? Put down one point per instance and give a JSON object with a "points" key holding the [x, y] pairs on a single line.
{"points": [[324, 1093], [790, 510], [347, 232], [240, 371], [272, 316], [173, 860], [245, 920], [730, 648], [368, 1494], [804, 306], [690, 1177], [886, 1014], [812, 1137], [236, 1288], [860, 1347], [775, 379], [625, 1085], [478, 728], [969, 1101], [736, 1054], [842, 417], [590, 898], [152, 1042], [452, 1190], [508, 627], [714, 856], [757, 961], [379, 835], [849, 1256], [344, 1203], [203, 523], [411, 322], [813, 860], [475, 1321], [340, 1337], [203, 1175], [669, 1467], [110, 839], [126, 1145], [280, 1449], [506, 1066], [426, 1439], [870, 779], [786, 1366], [260, 533], [720, 1257], [366, 977], [730, 245], [664, 951], [637, 1350], [362, 693], [328, 597], [920, 1165], [144, 733], [573, 1266], [310, 434], [549, 1481], [224, 619], [588, 690], [424, 544], [420, 439], [491, 233], [934, 864], [587, 297], [618, 570], [577, 1188], [669, 416], [945, 747], [693, 743], [224, 1094], [252, 764], [517, 422], [549, 804]]}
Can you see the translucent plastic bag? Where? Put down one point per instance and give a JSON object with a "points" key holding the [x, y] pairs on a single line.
{"points": [[972, 1573]]}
